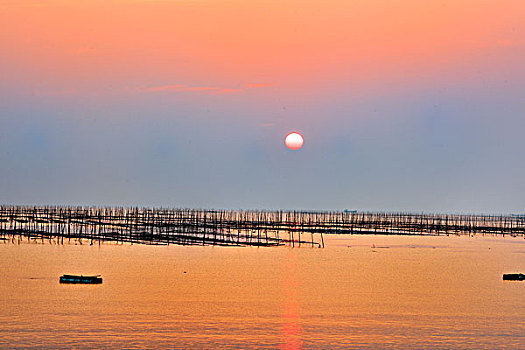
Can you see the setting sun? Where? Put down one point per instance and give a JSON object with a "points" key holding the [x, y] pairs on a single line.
{"points": [[294, 141]]}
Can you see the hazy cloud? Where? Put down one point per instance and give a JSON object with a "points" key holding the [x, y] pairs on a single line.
{"points": [[218, 90], [81, 50], [48, 93], [257, 85], [187, 88]]}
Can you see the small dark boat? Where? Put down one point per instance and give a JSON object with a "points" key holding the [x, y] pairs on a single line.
{"points": [[513, 277], [81, 279]]}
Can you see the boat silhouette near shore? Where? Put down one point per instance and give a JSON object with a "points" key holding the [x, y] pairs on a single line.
{"points": [[513, 277], [76, 279]]}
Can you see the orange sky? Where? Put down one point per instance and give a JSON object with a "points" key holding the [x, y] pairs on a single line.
{"points": [[230, 44]]}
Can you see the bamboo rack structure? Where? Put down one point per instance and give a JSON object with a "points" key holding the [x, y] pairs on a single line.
{"points": [[237, 227]]}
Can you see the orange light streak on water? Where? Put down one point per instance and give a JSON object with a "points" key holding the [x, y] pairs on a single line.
{"points": [[291, 336]]}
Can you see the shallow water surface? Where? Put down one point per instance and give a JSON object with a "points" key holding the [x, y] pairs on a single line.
{"points": [[359, 292]]}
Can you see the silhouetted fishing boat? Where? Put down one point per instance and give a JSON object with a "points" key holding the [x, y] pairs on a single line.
{"points": [[513, 277], [81, 279]]}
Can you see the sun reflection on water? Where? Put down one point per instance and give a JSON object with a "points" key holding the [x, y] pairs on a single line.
{"points": [[291, 330]]}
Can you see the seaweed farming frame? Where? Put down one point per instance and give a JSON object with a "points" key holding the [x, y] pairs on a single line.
{"points": [[237, 227]]}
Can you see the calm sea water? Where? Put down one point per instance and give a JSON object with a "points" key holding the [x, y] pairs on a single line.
{"points": [[359, 292]]}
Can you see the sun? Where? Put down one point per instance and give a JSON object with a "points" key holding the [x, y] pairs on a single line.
{"points": [[294, 140]]}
